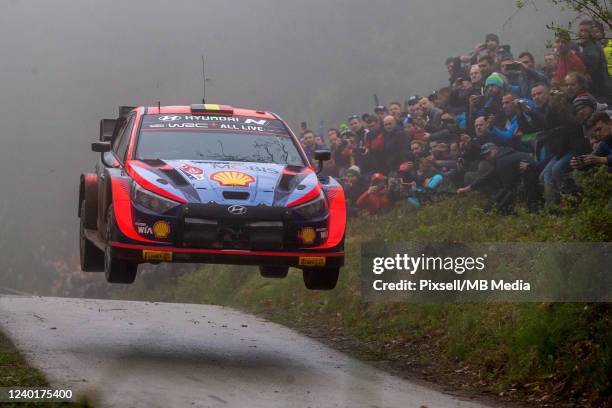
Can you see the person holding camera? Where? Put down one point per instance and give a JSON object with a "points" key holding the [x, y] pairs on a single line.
{"points": [[532, 119], [521, 77], [600, 125], [375, 199]]}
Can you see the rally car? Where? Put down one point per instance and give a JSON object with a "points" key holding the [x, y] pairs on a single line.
{"points": [[208, 184]]}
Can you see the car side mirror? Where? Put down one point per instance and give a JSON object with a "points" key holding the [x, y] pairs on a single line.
{"points": [[101, 147]]}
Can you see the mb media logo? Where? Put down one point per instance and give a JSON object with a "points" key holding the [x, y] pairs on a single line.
{"points": [[169, 118], [237, 209]]}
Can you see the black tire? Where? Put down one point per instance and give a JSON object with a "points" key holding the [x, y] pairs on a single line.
{"points": [[92, 258], [278, 272], [116, 270], [321, 278]]}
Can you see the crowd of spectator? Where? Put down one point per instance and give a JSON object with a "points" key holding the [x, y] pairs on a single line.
{"points": [[503, 125]]}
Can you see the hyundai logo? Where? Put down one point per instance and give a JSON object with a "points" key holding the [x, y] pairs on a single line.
{"points": [[237, 209], [169, 118]]}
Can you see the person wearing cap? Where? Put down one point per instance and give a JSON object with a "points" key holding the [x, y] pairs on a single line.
{"points": [[376, 199], [381, 111], [491, 102], [584, 106], [508, 169], [354, 186]]}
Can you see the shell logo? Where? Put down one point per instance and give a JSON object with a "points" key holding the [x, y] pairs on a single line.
{"points": [[161, 229], [308, 235], [232, 178]]}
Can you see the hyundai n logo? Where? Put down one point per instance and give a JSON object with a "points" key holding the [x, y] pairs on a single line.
{"points": [[237, 209], [169, 118]]}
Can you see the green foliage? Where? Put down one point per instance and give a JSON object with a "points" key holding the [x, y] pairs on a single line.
{"points": [[595, 9]]}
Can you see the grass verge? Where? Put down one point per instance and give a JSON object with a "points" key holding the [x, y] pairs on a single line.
{"points": [[15, 372]]}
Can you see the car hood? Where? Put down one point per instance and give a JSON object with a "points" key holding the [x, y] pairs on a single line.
{"points": [[229, 183]]}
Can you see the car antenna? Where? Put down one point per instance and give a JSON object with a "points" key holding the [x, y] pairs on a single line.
{"points": [[159, 107], [203, 81]]}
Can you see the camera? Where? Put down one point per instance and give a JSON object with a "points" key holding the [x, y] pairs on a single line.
{"points": [[515, 66]]}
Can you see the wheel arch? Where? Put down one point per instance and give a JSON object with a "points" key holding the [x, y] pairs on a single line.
{"points": [[88, 195]]}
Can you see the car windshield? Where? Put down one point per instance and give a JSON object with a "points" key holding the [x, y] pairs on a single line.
{"points": [[179, 137]]}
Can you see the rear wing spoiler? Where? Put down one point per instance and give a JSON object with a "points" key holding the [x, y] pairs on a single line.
{"points": [[109, 127]]}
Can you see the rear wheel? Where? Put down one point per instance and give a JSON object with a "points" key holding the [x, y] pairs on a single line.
{"points": [[321, 278], [92, 258], [273, 271], [116, 270]]}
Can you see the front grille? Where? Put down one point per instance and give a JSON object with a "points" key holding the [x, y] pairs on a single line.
{"points": [[224, 234], [259, 228]]}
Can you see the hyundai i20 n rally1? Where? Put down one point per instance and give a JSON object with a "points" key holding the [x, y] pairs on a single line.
{"points": [[208, 184]]}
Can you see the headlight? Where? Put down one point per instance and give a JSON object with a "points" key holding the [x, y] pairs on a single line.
{"points": [[151, 200], [312, 209]]}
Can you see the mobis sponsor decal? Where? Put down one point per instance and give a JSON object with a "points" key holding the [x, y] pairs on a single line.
{"points": [[252, 167]]}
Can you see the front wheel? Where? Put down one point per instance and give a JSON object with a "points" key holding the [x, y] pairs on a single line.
{"points": [[321, 278]]}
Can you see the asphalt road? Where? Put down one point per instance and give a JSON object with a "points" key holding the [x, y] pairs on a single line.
{"points": [[139, 354]]}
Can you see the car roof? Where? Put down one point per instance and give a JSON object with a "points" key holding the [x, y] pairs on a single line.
{"points": [[222, 111]]}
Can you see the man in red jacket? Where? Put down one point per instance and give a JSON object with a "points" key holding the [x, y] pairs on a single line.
{"points": [[376, 199], [567, 61]]}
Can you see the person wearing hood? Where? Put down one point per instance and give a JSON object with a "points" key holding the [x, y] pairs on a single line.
{"points": [[376, 199]]}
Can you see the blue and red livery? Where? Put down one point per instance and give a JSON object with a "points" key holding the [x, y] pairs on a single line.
{"points": [[209, 184]]}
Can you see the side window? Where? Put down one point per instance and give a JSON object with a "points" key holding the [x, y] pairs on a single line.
{"points": [[123, 141], [117, 140]]}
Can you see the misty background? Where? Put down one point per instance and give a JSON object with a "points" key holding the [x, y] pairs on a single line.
{"points": [[66, 64]]}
